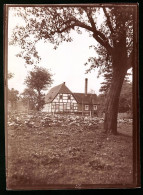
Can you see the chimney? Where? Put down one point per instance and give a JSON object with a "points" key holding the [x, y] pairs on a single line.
{"points": [[86, 82]]}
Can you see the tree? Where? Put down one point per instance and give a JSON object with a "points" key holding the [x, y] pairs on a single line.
{"points": [[29, 97], [13, 96], [125, 102], [107, 73], [105, 86], [116, 35], [38, 79], [92, 91], [101, 107]]}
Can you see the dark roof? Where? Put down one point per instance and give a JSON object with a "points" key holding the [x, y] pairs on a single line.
{"points": [[62, 88], [81, 98]]}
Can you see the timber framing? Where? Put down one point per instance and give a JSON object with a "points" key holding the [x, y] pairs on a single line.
{"points": [[61, 100]]}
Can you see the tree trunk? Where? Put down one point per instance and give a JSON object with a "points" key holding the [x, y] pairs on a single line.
{"points": [[112, 104]]}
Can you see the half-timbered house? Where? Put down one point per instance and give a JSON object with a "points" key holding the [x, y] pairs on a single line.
{"points": [[61, 100]]}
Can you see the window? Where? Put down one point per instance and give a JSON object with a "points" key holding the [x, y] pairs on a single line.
{"points": [[94, 107], [61, 97], [86, 107], [69, 97], [75, 106]]}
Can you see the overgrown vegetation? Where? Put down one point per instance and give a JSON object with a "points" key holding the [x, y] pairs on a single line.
{"points": [[13, 97], [39, 156]]}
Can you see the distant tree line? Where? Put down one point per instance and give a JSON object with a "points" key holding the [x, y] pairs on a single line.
{"points": [[33, 97]]}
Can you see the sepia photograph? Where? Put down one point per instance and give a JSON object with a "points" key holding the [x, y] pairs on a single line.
{"points": [[71, 96]]}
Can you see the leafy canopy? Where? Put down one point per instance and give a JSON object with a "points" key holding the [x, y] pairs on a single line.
{"points": [[30, 98], [54, 24], [13, 97], [38, 79]]}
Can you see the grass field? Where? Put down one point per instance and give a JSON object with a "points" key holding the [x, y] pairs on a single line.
{"points": [[68, 155]]}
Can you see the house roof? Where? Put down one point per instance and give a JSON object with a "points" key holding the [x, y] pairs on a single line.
{"points": [[62, 88], [81, 98]]}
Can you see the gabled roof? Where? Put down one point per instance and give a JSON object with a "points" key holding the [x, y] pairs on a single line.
{"points": [[62, 88], [81, 98]]}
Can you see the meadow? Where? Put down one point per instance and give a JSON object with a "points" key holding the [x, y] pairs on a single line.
{"points": [[48, 152]]}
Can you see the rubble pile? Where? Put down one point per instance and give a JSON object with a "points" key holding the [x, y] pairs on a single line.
{"points": [[40, 119], [37, 120], [125, 120]]}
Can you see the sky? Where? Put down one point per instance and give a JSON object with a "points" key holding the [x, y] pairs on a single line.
{"points": [[65, 63]]}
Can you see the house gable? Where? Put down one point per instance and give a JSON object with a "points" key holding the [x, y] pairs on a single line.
{"points": [[59, 89], [64, 97], [60, 99]]}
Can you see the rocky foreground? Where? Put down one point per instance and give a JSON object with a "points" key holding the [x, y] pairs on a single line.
{"points": [[39, 120]]}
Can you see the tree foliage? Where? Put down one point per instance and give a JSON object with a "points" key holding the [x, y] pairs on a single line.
{"points": [[115, 35], [55, 23], [10, 75], [29, 98], [107, 74], [125, 103], [13, 97], [38, 79]]}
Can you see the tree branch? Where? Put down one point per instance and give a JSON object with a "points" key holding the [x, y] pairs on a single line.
{"points": [[108, 20], [66, 28], [93, 24], [82, 25], [103, 43], [100, 37], [130, 60], [89, 17]]}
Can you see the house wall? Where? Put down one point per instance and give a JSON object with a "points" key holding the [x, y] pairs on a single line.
{"points": [[62, 103], [91, 107]]}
